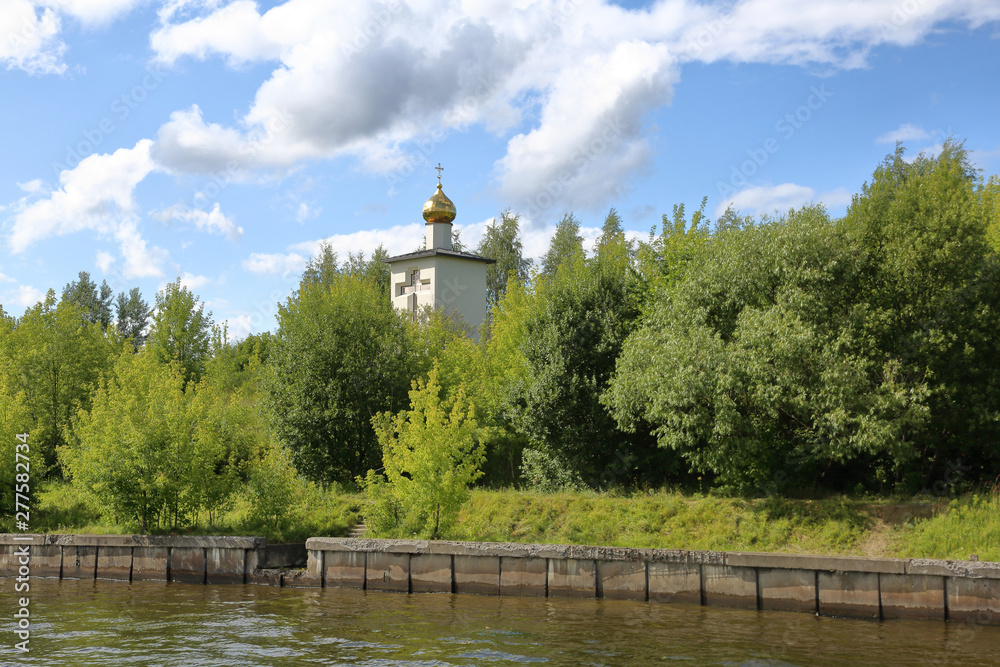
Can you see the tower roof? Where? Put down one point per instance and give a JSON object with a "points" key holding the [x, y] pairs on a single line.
{"points": [[439, 208]]}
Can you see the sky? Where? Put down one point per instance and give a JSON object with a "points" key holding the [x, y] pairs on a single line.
{"points": [[221, 141]]}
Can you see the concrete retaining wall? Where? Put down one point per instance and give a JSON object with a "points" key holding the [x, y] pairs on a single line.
{"points": [[191, 559], [878, 588]]}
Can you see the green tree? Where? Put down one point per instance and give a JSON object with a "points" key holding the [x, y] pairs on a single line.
{"points": [[572, 335], [134, 448], [54, 357], [94, 303], [502, 242], [339, 357], [566, 244], [131, 315], [430, 457], [181, 330]]}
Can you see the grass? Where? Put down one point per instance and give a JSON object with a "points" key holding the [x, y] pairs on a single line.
{"points": [[916, 528], [59, 508]]}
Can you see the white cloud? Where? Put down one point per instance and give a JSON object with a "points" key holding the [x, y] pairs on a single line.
{"points": [[765, 200], [305, 212], [905, 132], [6, 279], [210, 221], [97, 196], [267, 263], [104, 261], [27, 296], [32, 187], [382, 81], [29, 38], [193, 282], [30, 30]]}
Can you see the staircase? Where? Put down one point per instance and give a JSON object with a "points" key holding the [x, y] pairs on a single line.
{"points": [[358, 530]]}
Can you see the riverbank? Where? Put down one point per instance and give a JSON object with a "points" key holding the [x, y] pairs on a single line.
{"points": [[922, 527]]}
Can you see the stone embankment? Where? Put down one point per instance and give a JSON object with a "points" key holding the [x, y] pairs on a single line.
{"points": [[880, 588]]}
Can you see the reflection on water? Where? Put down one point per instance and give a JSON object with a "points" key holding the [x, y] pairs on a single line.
{"points": [[149, 623]]}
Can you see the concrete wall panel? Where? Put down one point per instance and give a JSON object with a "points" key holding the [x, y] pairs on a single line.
{"points": [[114, 563], [479, 575], [430, 573], [852, 594], [675, 582], [573, 578], [344, 569], [226, 566], [621, 580], [388, 572], [727, 586], [79, 562], [187, 565], [974, 600], [523, 576], [787, 590], [149, 564], [912, 596]]}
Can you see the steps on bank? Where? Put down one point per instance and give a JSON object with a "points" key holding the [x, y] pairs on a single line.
{"points": [[358, 530]]}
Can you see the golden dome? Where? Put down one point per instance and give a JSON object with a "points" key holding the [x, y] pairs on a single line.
{"points": [[439, 208]]}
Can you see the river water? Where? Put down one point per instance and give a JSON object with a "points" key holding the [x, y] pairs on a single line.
{"points": [[150, 623]]}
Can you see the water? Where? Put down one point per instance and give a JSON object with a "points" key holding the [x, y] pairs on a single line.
{"points": [[150, 623]]}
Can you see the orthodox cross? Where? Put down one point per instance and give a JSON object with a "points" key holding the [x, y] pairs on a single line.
{"points": [[440, 169], [414, 287]]}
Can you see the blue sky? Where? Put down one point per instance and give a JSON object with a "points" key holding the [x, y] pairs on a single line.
{"points": [[221, 141]]}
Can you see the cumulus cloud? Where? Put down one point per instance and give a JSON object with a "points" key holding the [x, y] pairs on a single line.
{"points": [[905, 132], [210, 221], [30, 30], [765, 200], [97, 196], [381, 80]]}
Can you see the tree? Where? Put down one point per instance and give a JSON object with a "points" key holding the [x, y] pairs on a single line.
{"points": [[339, 357], [573, 333], [94, 304], [181, 330], [131, 315], [430, 456], [808, 352], [54, 357], [323, 269], [502, 242], [566, 244], [134, 448], [612, 234]]}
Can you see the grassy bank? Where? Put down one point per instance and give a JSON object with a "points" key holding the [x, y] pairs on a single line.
{"points": [[916, 528]]}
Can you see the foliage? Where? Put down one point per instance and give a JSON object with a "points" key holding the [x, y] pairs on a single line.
{"points": [[502, 242], [133, 452], [566, 245], [131, 315], [339, 357], [572, 334], [430, 456], [94, 304], [53, 357], [181, 331], [969, 525], [803, 352], [271, 489]]}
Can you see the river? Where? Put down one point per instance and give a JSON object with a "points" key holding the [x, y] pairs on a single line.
{"points": [[149, 623]]}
